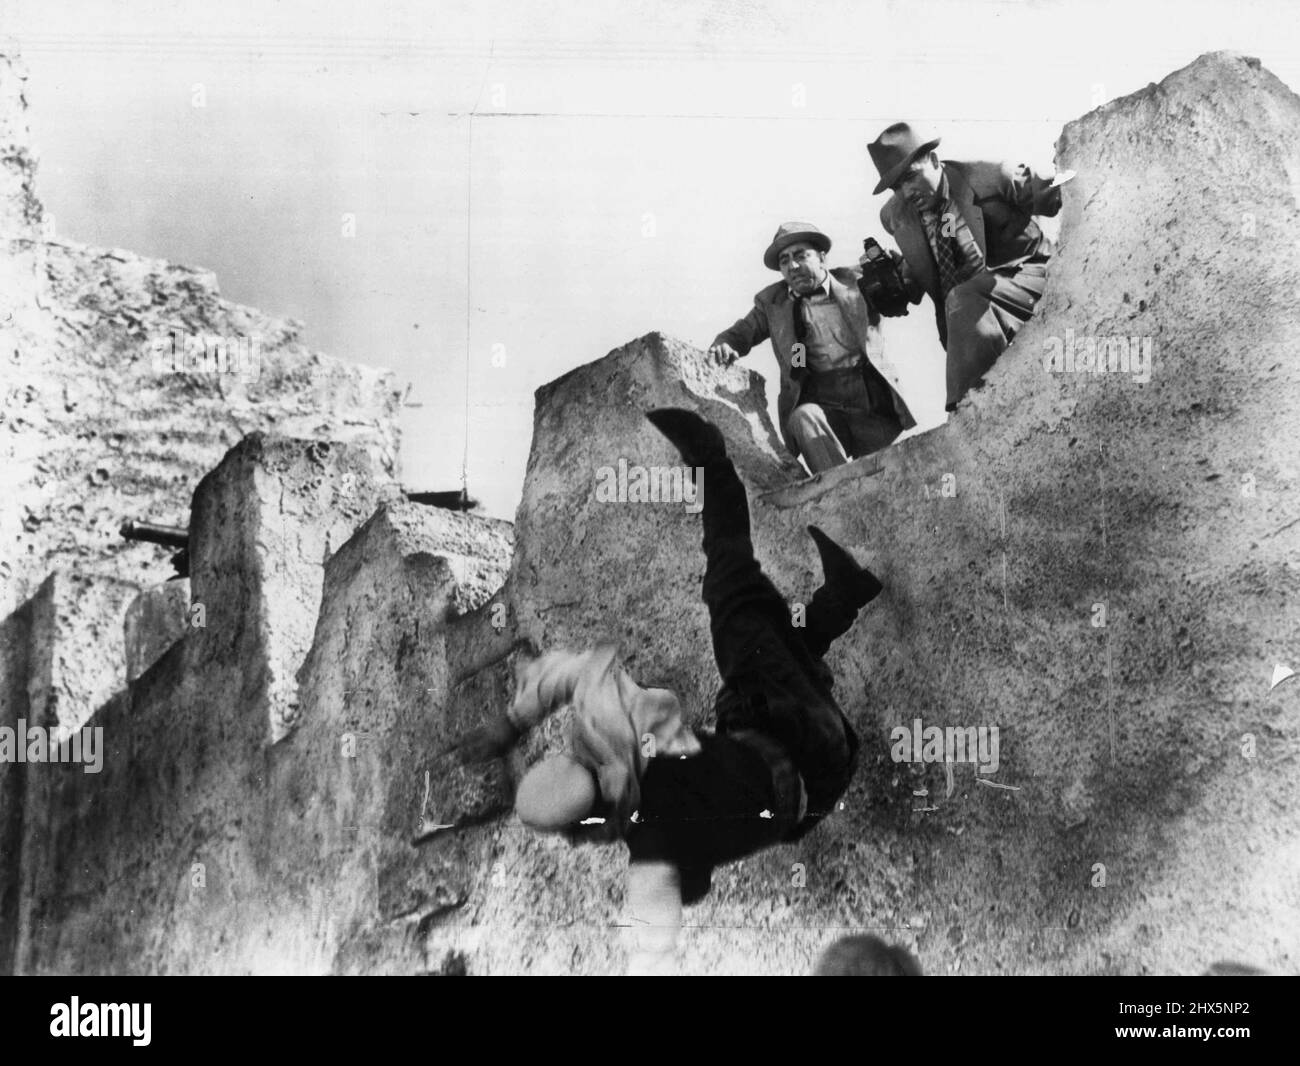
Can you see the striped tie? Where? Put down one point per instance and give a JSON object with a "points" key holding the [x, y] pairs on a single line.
{"points": [[945, 254]]}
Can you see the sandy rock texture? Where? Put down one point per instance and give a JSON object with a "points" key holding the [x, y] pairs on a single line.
{"points": [[1100, 565], [123, 380], [262, 803]]}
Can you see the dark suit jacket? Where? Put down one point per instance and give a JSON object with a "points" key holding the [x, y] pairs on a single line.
{"points": [[996, 203], [772, 316]]}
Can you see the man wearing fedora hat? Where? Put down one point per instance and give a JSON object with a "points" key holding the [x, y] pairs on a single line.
{"points": [[835, 403], [969, 240]]}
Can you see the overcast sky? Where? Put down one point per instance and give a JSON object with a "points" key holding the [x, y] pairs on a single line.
{"points": [[554, 178]]}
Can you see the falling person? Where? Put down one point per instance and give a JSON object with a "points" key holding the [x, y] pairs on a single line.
{"points": [[685, 802]]}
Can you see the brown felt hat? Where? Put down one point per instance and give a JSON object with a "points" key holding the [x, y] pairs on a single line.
{"points": [[789, 233], [896, 149]]}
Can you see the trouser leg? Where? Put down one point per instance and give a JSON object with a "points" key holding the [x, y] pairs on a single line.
{"points": [[733, 580], [983, 316], [975, 336], [772, 681], [828, 617], [844, 414], [810, 428], [867, 433]]}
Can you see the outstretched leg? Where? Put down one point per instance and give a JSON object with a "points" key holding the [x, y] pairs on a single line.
{"points": [[734, 582], [847, 588], [830, 612], [776, 681]]}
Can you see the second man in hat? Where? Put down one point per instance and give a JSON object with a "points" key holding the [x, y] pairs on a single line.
{"points": [[968, 236]]}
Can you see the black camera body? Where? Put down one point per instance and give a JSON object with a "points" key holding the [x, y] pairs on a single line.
{"points": [[881, 283]]}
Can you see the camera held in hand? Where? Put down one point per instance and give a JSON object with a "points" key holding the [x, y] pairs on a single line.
{"points": [[881, 283]]}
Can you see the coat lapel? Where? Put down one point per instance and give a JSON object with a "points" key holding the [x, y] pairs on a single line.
{"points": [[909, 232], [964, 197], [780, 317], [854, 310]]}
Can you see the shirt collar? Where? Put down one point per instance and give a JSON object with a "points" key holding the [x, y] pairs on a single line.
{"points": [[825, 287]]}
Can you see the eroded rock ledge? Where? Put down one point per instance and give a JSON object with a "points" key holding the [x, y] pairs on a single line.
{"points": [[1132, 825]]}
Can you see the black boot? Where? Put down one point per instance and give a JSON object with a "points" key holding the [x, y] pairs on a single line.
{"points": [[856, 583], [698, 440]]}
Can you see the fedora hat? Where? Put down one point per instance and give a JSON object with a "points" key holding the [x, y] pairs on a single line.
{"points": [[894, 151], [789, 233]]}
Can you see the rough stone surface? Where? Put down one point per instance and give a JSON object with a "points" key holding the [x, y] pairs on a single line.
{"points": [[24, 636], [219, 838], [1122, 745], [278, 794], [155, 620], [20, 210], [97, 426]]}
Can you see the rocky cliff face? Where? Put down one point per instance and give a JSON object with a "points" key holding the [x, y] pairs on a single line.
{"points": [[124, 380], [1095, 557]]}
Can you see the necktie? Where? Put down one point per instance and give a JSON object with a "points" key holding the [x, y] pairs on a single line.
{"points": [[945, 255], [802, 315]]}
